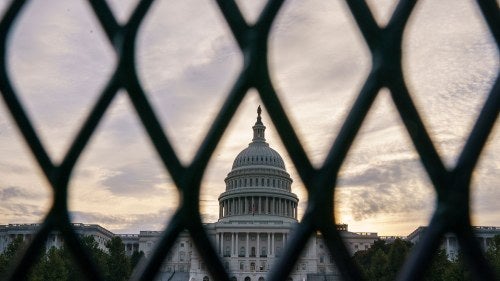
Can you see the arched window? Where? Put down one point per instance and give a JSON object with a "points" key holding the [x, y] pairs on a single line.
{"points": [[234, 278], [248, 279], [261, 279], [206, 278]]}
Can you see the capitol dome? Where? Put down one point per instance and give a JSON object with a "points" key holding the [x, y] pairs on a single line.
{"points": [[258, 183]]}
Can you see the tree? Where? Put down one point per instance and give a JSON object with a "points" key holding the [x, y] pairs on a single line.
{"points": [[52, 266], [398, 251], [439, 267], [99, 257], [9, 254], [493, 254], [379, 266], [118, 265], [135, 258]]}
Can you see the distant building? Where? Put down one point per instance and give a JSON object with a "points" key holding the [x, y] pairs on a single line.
{"points": [[26, 231], [484, 234]]}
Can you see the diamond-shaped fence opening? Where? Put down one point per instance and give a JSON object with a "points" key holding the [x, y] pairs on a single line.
{"points": [[451, 185]]}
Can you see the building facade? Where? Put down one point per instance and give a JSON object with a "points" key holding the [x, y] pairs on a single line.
{"points": [[257, 215], [484, 234], [10, 232]]}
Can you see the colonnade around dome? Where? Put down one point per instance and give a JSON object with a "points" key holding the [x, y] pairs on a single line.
{"points": [[258, 205]]}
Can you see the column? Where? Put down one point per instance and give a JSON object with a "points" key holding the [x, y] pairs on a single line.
{"points": [[268, 244], [271, 250], [246, 249], [232, 244], [260, 206], [267, 205], [237, 244], [257, 252], [218, 243]]}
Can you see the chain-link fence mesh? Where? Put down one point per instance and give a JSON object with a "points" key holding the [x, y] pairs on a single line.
{"points": [[452, 214]]}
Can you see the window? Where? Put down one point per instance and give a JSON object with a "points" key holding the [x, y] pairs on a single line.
{"points": [[263, 252], [182, 256], [227, 252], [322, 259], [252, 252], [206, 278], [252, 266], [242, 252], [278, 251], [242, 266]]}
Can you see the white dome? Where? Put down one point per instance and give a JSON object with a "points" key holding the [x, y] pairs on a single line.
{"points": [[258, 185], [258, 153]]}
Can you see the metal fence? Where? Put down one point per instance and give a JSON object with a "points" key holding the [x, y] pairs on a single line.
{"points": [[452, 186]]}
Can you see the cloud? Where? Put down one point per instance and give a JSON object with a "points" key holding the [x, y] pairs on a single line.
{"points": [[140, 178], [11, 192], [12, 212], [125, 223], [59, 60]]}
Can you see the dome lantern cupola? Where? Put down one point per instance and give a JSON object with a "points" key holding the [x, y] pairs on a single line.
{"points": [[259, 128]]}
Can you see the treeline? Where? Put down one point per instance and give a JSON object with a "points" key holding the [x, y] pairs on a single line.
{"points": [[383, 261], [58, 264]]}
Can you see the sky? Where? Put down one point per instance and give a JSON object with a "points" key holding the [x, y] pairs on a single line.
{"points": [[59, 60]]}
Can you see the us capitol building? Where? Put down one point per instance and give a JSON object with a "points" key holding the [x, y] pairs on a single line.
{"points": [[257, 213]]}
